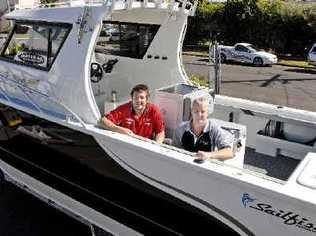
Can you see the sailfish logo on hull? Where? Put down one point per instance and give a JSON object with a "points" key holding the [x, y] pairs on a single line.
{"points": [[246, 199], [288, 217]]}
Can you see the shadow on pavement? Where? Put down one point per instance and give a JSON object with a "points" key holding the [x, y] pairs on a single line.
{"points": [[206, 60], [302, 70], [266, 82], [203, 60]]}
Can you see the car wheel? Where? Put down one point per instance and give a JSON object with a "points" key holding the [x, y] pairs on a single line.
{"points": [[257, 61], [223, 58]]}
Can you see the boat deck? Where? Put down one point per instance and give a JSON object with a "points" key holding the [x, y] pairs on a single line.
{"points": [[280, 167], [84, 149]]}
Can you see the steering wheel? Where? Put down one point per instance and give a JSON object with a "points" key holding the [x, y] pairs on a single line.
{"points": [[108, 66], [96, 72]]}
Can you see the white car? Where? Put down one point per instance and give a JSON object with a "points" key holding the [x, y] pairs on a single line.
{"points": [[312, 55], [115, 36], [246, 53]]}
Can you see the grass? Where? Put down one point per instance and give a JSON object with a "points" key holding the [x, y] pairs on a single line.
{"points": [[196, 53], [199, 80], [295, 63]]}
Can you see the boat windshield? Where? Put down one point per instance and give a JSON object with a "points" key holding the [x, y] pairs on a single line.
{"points": [[125, 39], [34, 44]]}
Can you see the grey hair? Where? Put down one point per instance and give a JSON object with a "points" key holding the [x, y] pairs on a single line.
{"points": [[204, 100], [200, 101]]}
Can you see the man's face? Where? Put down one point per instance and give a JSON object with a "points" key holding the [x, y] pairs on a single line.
{"points": [[139, 101], [199, 114]]}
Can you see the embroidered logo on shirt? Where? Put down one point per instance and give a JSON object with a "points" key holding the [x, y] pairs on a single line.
{"points": [[129, 121]]}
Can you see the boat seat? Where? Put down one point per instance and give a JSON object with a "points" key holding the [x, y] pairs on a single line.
{"points": [[239, 143], [307, 176]]}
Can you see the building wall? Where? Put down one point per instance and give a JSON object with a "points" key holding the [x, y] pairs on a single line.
{"points": [[26, 4]]}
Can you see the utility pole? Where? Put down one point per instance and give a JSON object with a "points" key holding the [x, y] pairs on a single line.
{"points": [[215, 59]]}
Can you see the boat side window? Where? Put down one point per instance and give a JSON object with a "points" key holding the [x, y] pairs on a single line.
{"points": [[34, 44], [125, 39]]}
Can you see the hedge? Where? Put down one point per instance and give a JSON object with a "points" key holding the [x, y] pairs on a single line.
{"points": [[278, 26]]}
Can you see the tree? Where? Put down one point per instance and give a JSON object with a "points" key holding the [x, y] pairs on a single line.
{"points": [[48, 3]]}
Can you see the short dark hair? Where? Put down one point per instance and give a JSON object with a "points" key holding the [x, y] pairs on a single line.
{"points": [[140, 87]]}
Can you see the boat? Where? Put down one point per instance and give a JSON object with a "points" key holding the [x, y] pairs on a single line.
{"points": [[62, 67]]}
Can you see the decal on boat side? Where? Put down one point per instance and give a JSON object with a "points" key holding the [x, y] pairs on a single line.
{"points": [[31, 58], [288, 217]]}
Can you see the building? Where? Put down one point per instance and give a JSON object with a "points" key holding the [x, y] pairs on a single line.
{"points": [[21, 4]]}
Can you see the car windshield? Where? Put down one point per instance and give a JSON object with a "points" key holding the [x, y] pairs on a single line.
{"points": [[253, 48], [313, 49]]}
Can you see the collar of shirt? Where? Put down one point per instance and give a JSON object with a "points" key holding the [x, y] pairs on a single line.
{"points": [[132, 110], [205, 130]]}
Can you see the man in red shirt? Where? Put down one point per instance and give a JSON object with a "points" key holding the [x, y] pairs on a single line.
{"points": [[137, 117]]}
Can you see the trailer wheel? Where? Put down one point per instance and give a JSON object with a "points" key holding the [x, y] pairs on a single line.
{"points": [[257, 61], [223, 58]]}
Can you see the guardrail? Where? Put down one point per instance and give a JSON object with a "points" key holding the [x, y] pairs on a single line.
{"points": [[172, 5]]}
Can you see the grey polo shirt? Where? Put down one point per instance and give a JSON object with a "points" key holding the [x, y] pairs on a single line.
{"points": [[212, 138]]}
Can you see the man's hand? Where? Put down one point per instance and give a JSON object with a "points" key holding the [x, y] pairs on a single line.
{"points": [[160, 137], [221, 155], [113, 127], [127, 131], [201, 155]]}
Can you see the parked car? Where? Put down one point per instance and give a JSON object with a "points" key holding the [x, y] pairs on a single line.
{"points": [[246, 53], [114, 36], [312, 55]]}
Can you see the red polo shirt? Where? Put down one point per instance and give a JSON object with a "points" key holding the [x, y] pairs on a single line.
{"points": [[145, 125]]}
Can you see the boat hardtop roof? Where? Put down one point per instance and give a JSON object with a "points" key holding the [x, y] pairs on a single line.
{"points": [[65, 11], [56, 15]]}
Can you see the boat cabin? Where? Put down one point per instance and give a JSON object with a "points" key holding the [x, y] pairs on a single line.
{"points": [[73, 68]]}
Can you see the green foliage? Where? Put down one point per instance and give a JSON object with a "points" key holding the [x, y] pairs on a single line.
{"points": [[283, 27], [198, 80], [48, 3], [14, 48], [205, 8]]}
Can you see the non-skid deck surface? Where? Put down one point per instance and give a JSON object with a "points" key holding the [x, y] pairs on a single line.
{"points": [[279, 167]]}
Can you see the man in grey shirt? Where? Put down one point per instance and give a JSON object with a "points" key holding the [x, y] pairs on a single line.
{"points": [[203, 135]]}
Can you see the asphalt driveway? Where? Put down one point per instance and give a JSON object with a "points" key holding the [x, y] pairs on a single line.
{"points": [[281, 85]]}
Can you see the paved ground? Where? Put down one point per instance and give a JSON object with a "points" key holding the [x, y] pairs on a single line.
{"points": [[287, 86]]}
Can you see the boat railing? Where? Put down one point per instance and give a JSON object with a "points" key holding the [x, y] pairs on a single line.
{"points": [[172, 5], [70, 116]]}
